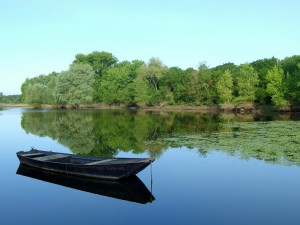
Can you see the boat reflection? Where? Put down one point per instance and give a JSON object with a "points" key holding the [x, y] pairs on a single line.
{"points": [[130, 189]]}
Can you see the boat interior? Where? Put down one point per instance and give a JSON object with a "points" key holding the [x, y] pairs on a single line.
{"points": [[63, 158], [73, 159]]}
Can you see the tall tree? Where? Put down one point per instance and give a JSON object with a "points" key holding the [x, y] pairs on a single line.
{"points": [[275, 86], [262, 66], [153, 72], [142, 95], [99, 61], [151, 75], [205, 88], [293, 86], [177, 86], [36, 94], [290, 64], [247, 82], [41, 79], [116, 86], [75, 86], [224, 87]]}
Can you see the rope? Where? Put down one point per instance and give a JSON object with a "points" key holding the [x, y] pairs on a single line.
{"points": [[151, 180]]}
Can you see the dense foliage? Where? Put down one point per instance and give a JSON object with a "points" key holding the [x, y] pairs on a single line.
{"points": [[98, 77]]}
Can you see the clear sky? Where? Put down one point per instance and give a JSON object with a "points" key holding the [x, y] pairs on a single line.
{"points": [[41, 36]]}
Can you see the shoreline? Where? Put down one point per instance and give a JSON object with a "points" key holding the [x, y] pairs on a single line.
{"points": [[242, 109]]}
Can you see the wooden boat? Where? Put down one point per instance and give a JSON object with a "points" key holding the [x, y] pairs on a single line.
{"points": [[88, 166], [131, 189]]}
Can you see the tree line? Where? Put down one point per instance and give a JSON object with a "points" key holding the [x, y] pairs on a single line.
{"points": [[99, 77], [10, 99]]}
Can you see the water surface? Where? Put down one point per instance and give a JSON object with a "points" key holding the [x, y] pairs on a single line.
{"points": [[209, 169]]}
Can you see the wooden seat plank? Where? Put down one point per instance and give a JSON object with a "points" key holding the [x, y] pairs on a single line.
{"points": [[101, 161], [32, 154], [51, 157]]}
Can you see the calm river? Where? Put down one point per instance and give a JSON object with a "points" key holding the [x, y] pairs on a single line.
{"points": [[209, 169]]}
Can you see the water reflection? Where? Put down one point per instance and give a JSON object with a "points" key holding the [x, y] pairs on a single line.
{"points": [[273, 138], [131, 189]]}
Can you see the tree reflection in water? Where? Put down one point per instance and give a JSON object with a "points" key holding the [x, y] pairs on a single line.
{"points": [[272, 138]]}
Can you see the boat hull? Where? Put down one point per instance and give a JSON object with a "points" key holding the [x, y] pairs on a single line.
{"points": [[109, 171]]}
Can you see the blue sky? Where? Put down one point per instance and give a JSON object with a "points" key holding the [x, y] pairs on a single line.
{"points": [[39, 36]]}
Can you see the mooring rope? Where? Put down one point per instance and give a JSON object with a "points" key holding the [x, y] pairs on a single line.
{"points": [[151, 180]]}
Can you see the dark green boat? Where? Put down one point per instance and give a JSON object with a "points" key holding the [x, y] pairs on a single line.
{"points": [[86, 166]]}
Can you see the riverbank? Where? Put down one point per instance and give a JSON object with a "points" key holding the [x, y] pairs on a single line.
{"points": [[228, 108], [243, 108]]}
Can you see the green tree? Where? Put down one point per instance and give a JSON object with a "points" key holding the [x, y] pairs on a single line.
{"points": [[205, 88], [99, 61], [24, 86], [290, 64], [51, 90], [275, 86], [222, 68], [247, 82], [1, 97], [177, 85], [117, 84], [153, 72], [216, 74], [36, 95], [292, 80], [75, 86], [262, 66], [141, 91], [224, 87], [41, 79], [150, 75]]}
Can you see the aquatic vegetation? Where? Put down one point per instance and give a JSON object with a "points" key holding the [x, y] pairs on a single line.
{"points": [[275, 142]]}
